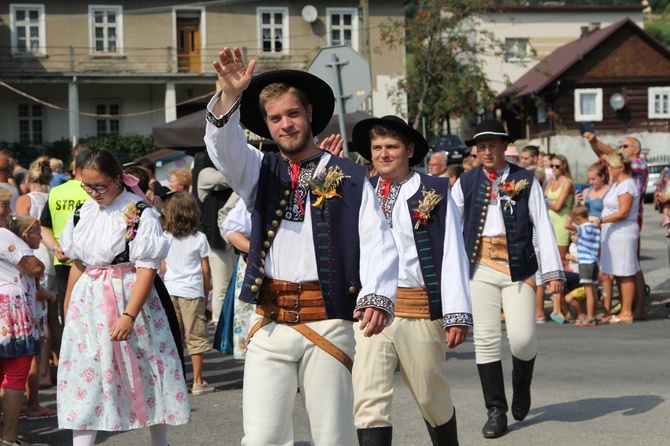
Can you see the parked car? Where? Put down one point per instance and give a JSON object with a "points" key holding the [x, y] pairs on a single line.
{"points": [[657, 179], [453, 145]]}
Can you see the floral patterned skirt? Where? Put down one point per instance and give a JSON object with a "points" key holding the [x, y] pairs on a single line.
{"points": [[115, 386]]}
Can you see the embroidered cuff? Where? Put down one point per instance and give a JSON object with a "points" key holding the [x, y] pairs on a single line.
{"points": [[220, 122], [375, 301], [553, 275], [457, 319]]}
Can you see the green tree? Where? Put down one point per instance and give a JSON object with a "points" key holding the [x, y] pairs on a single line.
{"points": [[125, 147], [444, 78]]}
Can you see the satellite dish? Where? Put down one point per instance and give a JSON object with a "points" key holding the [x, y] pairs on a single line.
{"points": [[617, 101], [309, 13]]}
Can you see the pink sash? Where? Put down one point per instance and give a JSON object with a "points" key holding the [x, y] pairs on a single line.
{"points": [[136, 393]]}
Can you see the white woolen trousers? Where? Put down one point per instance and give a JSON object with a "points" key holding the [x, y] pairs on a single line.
{"points": [[418, 344], [222, 263], [279, 359], [493, 291]]}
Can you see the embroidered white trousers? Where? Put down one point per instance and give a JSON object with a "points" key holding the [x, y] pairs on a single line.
{"points": [[279, 359], [418, 344], [492, 292]]}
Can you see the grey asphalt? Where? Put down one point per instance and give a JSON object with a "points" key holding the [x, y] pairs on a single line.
{"points": [[606, 385]]}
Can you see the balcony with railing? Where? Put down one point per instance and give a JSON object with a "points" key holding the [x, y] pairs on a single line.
{"points": [[159, 61]]}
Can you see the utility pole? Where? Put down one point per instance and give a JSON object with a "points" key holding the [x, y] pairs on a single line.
{"points": [[364, 9]]}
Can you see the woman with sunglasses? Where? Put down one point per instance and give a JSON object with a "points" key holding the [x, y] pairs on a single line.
{"points": [[620, 232], [120, 367], [560, 192]]}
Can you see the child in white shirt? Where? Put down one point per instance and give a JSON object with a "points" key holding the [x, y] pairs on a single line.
{"points": [[187, 278]]}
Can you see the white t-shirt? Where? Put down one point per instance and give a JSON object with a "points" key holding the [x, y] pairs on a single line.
{"points": [[183, 277]]}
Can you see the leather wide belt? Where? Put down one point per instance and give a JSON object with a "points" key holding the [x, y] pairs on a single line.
{"points": [[294, 304], [494, 248], [290, 302], [412, 302]]}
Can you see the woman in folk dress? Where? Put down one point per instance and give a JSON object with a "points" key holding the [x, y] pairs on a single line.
{"points": [[119, 367]]}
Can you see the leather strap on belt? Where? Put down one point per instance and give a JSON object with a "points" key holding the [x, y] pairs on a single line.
{"points": [[493, 248], [412, 302], [505, 270], [294, 304]]}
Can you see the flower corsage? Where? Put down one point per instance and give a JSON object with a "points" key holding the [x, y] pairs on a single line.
{"points": [[132, 217], [426, 205], [511, 189], [325, 184]]}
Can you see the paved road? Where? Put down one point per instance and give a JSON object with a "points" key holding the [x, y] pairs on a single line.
{"points": [[607, 385]]}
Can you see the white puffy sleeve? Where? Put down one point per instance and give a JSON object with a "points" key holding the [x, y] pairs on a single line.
{"points": [[238, 220], [67, 240], [150, 245]]}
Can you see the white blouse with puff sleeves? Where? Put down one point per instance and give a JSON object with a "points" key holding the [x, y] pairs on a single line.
{"points": [[100, 235]]}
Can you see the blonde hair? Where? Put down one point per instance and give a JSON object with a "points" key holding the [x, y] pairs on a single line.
{"points": [[56, 165], [40, 172], [183, 177], [619, 159], [564, 162]]}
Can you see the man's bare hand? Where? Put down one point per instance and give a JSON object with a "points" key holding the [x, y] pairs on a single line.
{"points": [[333, 144], [234, 77], [373, 320], [455, 335], [555, 287], [590, 137]]}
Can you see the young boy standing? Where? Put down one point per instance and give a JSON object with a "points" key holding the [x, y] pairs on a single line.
{"points": [[588, 247]]}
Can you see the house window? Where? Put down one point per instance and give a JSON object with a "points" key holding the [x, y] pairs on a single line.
{"points": [[27, 30], [541, 113], [517, 50], [659, 102], [106, 28], [588, 104], [273, 27], [31, 124], [107, 125], [343, 26]]}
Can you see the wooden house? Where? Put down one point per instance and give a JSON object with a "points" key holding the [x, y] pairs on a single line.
{"points": [[616, 77]]}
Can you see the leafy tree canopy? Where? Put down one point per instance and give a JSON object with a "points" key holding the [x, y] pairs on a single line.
{"points": [[444, 78]]}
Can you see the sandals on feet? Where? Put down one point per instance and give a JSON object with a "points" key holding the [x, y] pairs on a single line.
{"points": [[42, 414]]}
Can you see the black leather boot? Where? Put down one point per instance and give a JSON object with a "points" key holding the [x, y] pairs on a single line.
{"points": [[522, 375], [493, 386], [375, 436], [444, 435]]}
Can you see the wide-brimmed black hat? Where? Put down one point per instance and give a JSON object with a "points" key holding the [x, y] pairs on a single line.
{"points": [[361, 137], [319, 92], [489, 129]]}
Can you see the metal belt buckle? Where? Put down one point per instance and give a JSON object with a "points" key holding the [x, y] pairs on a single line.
{"points": [[295, 303], [297, 317]]}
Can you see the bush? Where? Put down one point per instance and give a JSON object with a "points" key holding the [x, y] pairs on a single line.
{"points": [[125, 147]]}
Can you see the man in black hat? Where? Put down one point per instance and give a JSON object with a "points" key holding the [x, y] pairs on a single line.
{"points": [[433, 299], [501, 205], [321, 254]]}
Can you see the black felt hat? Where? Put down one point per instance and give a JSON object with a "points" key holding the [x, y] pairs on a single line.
{"points": [[319, 92], [361, 137], [489, 129]]}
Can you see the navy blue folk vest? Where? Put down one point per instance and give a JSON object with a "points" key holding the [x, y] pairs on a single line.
{"points": [[429, 239], [518, 227], [334, 229]]}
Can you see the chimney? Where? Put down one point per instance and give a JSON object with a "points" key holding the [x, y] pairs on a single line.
{"points": [[594, 26], [585, 32]]}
